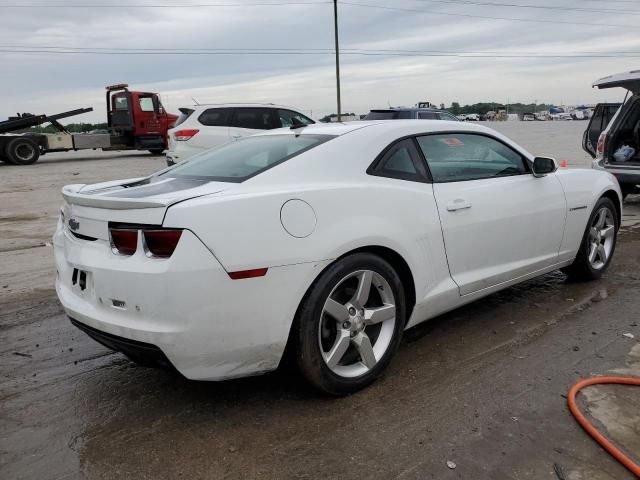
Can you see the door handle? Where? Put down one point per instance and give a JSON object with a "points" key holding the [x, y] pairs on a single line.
{"points": [[458, 204]]}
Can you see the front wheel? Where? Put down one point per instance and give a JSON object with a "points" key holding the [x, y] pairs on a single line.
{"points": [[156, 151], [598, 243], [350, 324]]}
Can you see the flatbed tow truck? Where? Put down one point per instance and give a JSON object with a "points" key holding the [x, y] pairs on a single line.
{"points": [[136, 121]]}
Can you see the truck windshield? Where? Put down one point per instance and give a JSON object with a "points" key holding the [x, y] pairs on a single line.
{"points": [[237, 161]]}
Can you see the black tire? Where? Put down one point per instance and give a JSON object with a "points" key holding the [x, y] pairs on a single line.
{"points": [[22, 151], [307, 327], [582, 269], [156, 151]]}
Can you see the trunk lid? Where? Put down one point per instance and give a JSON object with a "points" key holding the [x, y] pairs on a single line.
{"points": [[89, 209], [629, 80]]}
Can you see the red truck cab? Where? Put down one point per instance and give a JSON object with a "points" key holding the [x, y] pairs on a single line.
{"points": [[137, 120]]}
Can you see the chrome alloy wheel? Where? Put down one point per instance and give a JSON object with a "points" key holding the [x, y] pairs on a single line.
{"points": [[601, 238], [357, 323]]}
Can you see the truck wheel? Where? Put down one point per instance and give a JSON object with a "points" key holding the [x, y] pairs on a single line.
{"points": [[156, 151], [22, 151]]}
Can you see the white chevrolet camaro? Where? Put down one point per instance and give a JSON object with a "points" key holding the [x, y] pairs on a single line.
{"points": [[329, 240]]}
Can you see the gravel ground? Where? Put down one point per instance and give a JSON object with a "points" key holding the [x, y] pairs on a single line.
{"points": [[482, 386]]}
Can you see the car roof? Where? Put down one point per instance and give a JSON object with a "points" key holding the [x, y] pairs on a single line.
{"points": [[201, 106], [407, 127]]}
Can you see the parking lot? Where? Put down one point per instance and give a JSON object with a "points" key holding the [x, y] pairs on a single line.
{"points": [[483, 386]]}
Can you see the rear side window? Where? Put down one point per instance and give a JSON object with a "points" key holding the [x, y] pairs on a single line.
{"points": [[455, 157], [245, 158], [401, 161], [255, 118], [287, 116], [216, 117], [388, 115], [184, 114]]}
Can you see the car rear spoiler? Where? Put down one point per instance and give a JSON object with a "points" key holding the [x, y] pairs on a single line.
{"points": [[72, 196]]}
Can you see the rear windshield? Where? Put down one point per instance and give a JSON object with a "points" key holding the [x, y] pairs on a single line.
{"points": [[388, 115], [237, 161]]}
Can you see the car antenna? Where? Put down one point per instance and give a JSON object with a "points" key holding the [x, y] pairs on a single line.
{"points": [[195, 101]]}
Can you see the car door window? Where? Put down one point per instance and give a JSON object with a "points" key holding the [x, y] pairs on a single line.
{"points": [[254, 118], [455, 157], [215, 117], [286, 118], [402, 161], [146, 104]]}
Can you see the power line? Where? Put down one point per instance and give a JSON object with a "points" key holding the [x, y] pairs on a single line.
{"points": [[541, 7], [115, 50], [182, 5], [351, 52], [511, 19]]}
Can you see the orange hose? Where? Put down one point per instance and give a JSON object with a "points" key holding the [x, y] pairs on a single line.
{"points": [[606, 444]]}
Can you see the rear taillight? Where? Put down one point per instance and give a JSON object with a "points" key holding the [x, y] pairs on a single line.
{"points": [[184, 135], [602, 143], [161, 243], [123, 241]]}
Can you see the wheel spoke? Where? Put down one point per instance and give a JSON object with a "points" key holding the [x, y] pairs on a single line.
{"points": [[364, 286], [339, 348], [593, 252], [363, 345], [607, 232], [602, 253], [380, 314], [602, 215], [338, 311]]}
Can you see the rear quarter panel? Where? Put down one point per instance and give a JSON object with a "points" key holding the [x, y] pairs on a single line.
{"points": [[245, 231]]}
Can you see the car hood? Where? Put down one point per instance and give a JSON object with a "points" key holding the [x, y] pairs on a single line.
{"points": [[146, 192], [629, 80]]}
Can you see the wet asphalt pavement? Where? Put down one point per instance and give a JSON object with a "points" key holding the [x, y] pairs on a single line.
{"points": [[483, 386]]}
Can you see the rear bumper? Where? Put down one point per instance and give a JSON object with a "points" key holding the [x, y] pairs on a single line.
{"points": [[139, 352], [625, 176], [185, 308]]}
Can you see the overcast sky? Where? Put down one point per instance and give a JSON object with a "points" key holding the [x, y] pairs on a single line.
{"points": [[53, 82]]}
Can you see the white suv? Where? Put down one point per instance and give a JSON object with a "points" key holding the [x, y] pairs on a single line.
{"points": [[202, 127]]}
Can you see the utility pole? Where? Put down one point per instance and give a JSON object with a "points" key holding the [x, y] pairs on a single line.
{"points": [[335, 26]]}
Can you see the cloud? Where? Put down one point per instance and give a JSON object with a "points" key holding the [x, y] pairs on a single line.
{"points": [[52, 82]]}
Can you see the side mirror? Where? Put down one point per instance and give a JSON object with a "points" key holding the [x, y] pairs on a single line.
{"points": [[543, 166]]}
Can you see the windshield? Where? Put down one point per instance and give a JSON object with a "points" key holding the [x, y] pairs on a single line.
{"points": [[237, 161], [388, 115]]}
